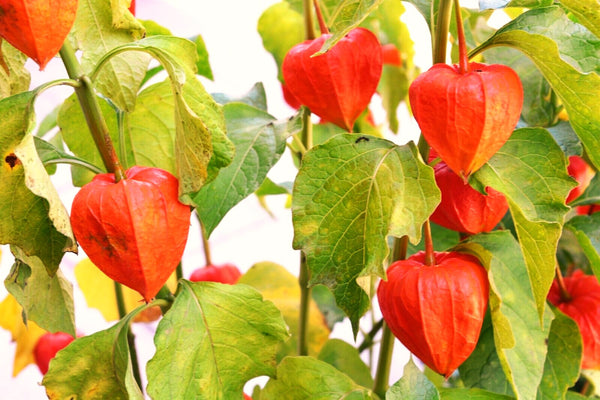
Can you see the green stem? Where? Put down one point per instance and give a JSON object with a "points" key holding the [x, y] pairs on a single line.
{"points": [[79, 163], [442, 27], [130, 338], [304, 275], [368, 341], [205, 243], [91, 111], [308, 20], [386, 347], [382, 375], [179, 271], [305, 291]]}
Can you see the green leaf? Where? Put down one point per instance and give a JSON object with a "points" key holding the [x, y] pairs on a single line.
{"points": [[268, 187], [591, 195], [259, 143], [530, 170], [48, 301], [575, 396], [566, 54], [346, 359], [566, 138], [518, 335], [212, 341], [539, 109], [14, 77], [483, 369], [561, 369], [444, 239], [412, 386], [347, 15], [301, 378], [281, 28], [472, 394], [95, 36], [585, 228], [50, 155], [202, 65], [348, 197], [587, 13], [256, 97], [280, 286], [326, 303], [428, 9], [95, 367], [32, 216], [493, 4]]}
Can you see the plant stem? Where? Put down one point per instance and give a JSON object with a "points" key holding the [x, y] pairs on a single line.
{"points": [[368, 340], [91, 111], [382, 375], [179, 271], [564, 293], [429, 254], [308, 20], [386, 346], [463, 59], [205, 243], [322, 25], [130, 338], [305, 291], [441, 31]]}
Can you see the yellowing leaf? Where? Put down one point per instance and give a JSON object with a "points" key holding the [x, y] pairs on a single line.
{"points": [[278, 285], [99, 291], [26, 336]]}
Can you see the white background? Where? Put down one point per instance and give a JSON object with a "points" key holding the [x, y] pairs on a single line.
{"points": [[247, 234]]}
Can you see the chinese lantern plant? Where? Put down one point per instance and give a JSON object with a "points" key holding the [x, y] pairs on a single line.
{"points": [[476, 312]]}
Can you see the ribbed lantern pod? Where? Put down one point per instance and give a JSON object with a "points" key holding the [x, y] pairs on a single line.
{"points": [[337, 85], [37, 29], [134, 230], [466, 111], [436, 311], [464, 209]]}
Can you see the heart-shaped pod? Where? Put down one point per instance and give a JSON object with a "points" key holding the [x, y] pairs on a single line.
{"points": [[337, 85], [464, 209], [584, 307], [134, 230], [436, 311], [37, 28], [466, 117]]}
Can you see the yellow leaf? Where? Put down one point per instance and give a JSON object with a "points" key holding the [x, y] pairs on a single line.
{"points": [[281, 287], [26, 336], [99, 291]]}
